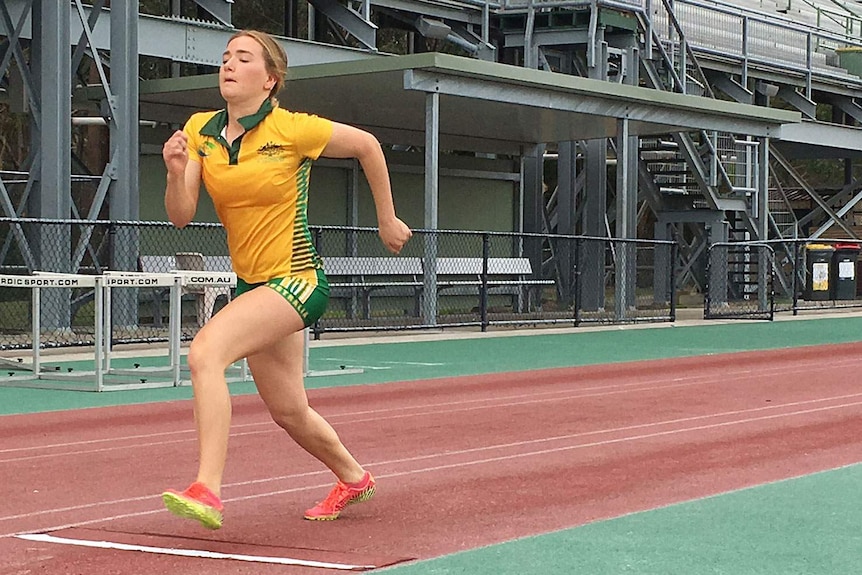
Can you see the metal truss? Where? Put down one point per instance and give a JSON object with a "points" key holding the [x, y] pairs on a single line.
{"points": [[46, 186]]}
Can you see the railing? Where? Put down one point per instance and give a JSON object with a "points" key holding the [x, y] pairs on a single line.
{"points": [[848, 20], [818, 275], [442, 279], [724, 31]]}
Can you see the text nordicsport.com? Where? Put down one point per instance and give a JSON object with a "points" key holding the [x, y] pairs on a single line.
{"points": [[40, 282]]}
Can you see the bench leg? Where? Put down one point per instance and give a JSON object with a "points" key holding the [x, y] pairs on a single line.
{"points": [[366, 304], [205, 304], [417, 302], [157, 308]]}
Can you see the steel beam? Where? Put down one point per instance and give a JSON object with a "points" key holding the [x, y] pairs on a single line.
{"points": [[354, 23], [183, 40], [220, 9]]}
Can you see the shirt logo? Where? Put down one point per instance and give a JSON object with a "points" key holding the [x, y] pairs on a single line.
{"points": [[206, 148], [272, 150]]}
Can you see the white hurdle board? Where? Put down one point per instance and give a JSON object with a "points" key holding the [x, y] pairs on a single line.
{"points": [[112, 280], [37, 376], [199, 279], [104, 376]]}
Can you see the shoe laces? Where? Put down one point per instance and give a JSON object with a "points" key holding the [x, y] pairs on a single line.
{"points": [[337, 497]]}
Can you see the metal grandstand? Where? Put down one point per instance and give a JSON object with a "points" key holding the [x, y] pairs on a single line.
{"points": [[697, 186]]}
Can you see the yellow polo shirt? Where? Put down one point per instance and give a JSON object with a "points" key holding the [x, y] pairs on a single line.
{"points": [[259, 186]]}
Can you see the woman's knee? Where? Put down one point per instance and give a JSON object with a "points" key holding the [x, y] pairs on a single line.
{"points": [[205, 356]]}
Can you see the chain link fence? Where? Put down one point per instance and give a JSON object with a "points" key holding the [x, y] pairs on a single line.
{"points": [[740, 280], [758, 279], [442, 279], [67, 316]]}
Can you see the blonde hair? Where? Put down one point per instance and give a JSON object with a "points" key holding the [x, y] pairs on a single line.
{"points": [[274, 57]]}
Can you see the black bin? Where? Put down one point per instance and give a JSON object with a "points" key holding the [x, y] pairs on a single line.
{"points": [[844, 271], [818, 267]]}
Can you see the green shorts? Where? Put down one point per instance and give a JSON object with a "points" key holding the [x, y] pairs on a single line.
{"points": [[308, 298]]}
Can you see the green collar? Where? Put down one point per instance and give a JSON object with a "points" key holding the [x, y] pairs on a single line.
{"points": [[218, 122]]}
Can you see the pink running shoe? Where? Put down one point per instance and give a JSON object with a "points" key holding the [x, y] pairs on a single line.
{"points": [[340, 497], [197, 502]]}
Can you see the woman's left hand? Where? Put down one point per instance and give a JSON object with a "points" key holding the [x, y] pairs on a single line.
{"points": [[394, 233]]}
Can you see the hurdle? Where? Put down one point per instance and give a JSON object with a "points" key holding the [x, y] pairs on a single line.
{"points": [[306, 363], [105, 371], [105, 376], [200, 279], [38, 375]]}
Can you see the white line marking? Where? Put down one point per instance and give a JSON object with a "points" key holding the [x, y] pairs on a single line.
{"points": [[369, 367], [472, 450], [637, 386], [452, 407], [419, 363], [200, 554], [486, 459]]}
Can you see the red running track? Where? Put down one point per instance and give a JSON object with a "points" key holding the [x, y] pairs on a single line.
{"points": [[461, 462]]}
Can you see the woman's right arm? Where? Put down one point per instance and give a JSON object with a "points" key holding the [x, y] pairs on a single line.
{"points": [[183, 181]]}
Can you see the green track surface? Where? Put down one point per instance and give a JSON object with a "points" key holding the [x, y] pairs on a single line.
{"points": [[803, 526]]}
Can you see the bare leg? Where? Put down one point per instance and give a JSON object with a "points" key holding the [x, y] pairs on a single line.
{"points": [[277, 372], [254, 321]]}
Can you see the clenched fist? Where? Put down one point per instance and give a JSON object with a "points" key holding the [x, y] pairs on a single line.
{"points": [[394, 233], [175, 153]]}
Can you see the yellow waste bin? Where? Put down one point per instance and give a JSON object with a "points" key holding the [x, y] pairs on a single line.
{"points": [[818, 265]]}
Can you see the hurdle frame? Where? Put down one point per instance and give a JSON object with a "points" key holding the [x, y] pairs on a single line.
{"points": [[203, 278], [306, 369], [104, 376], [125, 279], [39, 377]]}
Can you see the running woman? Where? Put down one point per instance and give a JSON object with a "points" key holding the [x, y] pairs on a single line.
{"points": [[254, 159]]}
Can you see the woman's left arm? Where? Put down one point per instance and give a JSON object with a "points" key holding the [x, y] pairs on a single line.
{"points": [[349, 142]]}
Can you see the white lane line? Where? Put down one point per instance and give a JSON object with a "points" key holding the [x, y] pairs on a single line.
{"points": [[199, 554], [420, 363], [412, 363], [614, 388], [405, 412], [637, 386], [545, 451]]}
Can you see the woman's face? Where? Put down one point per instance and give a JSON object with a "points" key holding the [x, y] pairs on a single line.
{"points": [[243, 75]]}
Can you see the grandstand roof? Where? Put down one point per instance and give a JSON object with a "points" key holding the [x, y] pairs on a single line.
{"points": [[485, 106]]}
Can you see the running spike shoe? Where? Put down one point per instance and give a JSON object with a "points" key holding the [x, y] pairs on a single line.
{"points": [[340, 497], [197, 502]]}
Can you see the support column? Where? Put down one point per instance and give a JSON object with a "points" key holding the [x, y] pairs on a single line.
{"points": [[51, 64], [124, 198], [626, 227], [764, 267], [662, 262], [533, 204], [432, 170], [595, 199], [351, 249], [567, 175], [51, 197]]}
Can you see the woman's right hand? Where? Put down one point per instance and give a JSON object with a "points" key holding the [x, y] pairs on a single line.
{"points": [[183, 180], [175, 153]]}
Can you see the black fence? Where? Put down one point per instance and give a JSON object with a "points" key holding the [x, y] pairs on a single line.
{"points": [[759, 279], [442, 279]]}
